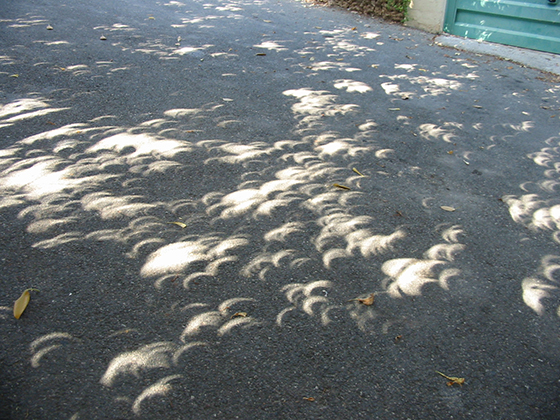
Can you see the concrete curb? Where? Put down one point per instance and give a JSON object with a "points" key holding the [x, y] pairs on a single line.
{"points": [[535, 59]]}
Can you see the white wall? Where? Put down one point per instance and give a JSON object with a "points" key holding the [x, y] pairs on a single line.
{"points": [[427, 15]]}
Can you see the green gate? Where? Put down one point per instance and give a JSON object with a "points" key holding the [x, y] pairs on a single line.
{"points": [[533, 24]]}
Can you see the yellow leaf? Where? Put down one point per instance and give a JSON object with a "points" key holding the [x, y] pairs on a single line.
{"points": [[239, 314], [358, 172], [344, 187], [447, 208], [452, 379], [151, 17], [22, 302], [180, 224], [14, 75]]}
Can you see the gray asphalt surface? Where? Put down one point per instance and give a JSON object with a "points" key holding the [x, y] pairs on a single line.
{"points": [[169, 190]]}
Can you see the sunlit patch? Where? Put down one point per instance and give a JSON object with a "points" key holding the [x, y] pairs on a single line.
{"points": [[370, 35], [264, 260], [42, 346], [151, 356], [408, 67], [302, 296], [352, 86], [174, 258], [370, 244], [143, 144], [270, 45], [434, 132], [409, 275], [160, 388], [114, 207]]}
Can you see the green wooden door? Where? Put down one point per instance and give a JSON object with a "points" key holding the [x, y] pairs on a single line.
{"points": [[533, 24]]}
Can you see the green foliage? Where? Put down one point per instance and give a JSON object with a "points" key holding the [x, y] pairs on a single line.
{"points": [[400, 6]]}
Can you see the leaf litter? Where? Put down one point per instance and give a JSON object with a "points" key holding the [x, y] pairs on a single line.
{"points": [[452, 379], [22, 302], [367, 301]]}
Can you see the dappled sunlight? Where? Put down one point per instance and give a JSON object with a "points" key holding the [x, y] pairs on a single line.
{"points": [[434, 132], [205, 214], [406, 84], [538, 209], [43, 346], [543, 290], [409, 275], [352, 85], [271, 45], [311, 298]]}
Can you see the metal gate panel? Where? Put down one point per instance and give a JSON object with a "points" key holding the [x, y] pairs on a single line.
{"points": [[531, 24]]}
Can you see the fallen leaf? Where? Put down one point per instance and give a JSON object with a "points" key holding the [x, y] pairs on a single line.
{"points": [[450, 152], [354, 28], [452, 379], [239, 314], [180, 224], [14, 75], [394, 109], [477, 106], [49, 27], [367, 301], [447, 208], [344, 187], [310, 399], [151, 17], [102, 38], [261, 54], [398, 338], [22, 302], [358, 172]]}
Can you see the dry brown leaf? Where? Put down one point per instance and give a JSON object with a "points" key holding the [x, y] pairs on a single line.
{"points": [[239, 314], [22, 302], [367, 301], [260, 54], [310, 399], [447, 208]]}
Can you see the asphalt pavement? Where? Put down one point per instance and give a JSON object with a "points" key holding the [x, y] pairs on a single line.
{"points": [[271, 210]]}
